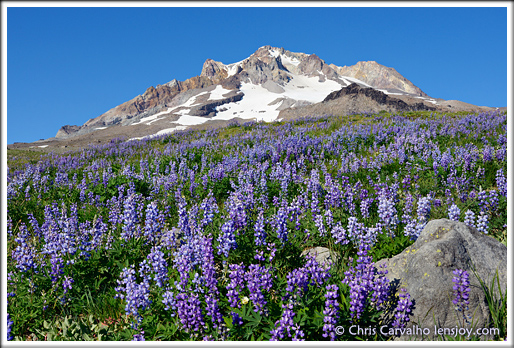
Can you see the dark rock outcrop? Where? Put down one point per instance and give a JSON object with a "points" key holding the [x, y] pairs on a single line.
{"points": [[426, 268], [377, 96], [66, 131], [209, 109]]}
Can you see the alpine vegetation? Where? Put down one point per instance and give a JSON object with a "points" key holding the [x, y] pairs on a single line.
{"points": [[206, 235]]}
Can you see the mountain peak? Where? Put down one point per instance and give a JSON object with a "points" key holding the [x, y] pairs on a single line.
{"points": [[214, 70], [269, 81]]}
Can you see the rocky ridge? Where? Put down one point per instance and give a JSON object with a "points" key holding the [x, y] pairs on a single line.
{"points": [[268, 65], [272, 83]]}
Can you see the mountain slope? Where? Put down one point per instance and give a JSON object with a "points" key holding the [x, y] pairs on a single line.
{"points": [[380, 77], [258, 87], [272, 83]]}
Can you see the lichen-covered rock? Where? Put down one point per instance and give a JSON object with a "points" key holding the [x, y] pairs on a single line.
{"points": [[426, 268]]}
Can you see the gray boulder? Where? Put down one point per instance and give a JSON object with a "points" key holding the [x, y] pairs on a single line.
{"points": [[426, 268], [322, 255]]}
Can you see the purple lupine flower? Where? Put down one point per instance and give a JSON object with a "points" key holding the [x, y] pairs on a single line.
{"points": [[286, 325], [357, 298], [169, 238], [353, 229], [449, 196], [331, 311], [183, 220], [361, 281], [483, 223], [318, 221], [461, 289], [297, 282], [209, 208], [381, 287], [98, 232], [35, 225], [339, 234], [364, 206], [24, 254], [318, 273], [424, 207], [187, 257], [139, 337], [272, 250], [159, 266], [189, 310], [236, 319], [209, 274], [236, 211], [410, 228], [153, 223], [66, 285], [169, 301], [57, 270], [482, 200], [279, 223], [501, 182], [115, 216], [260, 234], [493, 201], [227, 238], [402, 310], [236, 284], [9, 327], [454, 212], [136, 295], [193, 219], [258, 279], [329, 219], [208, 270], [469, 218], [259, 255], [409, 204], [295, 210], [387, 213], [130, 228]]}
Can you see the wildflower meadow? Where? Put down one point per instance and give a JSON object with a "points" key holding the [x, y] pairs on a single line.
{"points": [[199, 235]]}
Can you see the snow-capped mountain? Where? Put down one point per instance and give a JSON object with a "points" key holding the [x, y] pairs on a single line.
{"points": [[269, 85]]}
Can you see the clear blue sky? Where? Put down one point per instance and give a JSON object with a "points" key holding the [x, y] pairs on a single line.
{"points": [[67, 65]]}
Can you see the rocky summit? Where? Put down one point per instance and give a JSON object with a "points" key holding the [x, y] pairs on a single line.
{"points": [[271, 84]]}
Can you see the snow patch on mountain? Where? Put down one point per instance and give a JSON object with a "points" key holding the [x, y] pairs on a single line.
{"points": [[170, 130], [253, 105], [387, 92], [190, 120], [309, 88], [152, 118], [218, 92]]}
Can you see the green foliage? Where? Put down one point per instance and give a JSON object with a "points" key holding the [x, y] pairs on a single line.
{"points": [[387, 247], [497, 303], [76, 329]]}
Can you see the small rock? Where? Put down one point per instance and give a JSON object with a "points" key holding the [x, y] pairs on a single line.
{"points": [[322, 254]]}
